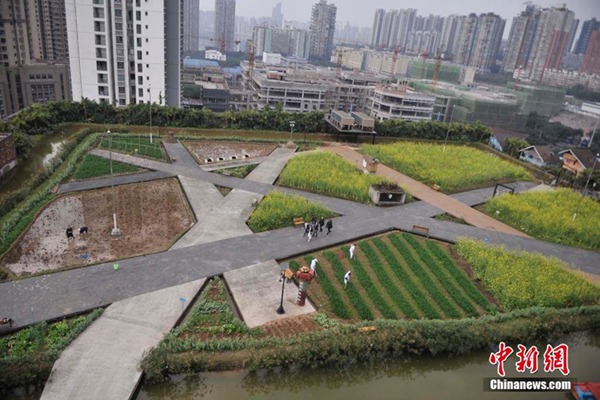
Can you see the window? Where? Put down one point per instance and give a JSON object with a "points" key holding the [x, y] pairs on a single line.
{"points": [[147, 53], [100, 40], [141, 92], [102, 78], [119, 26], [100, 52], [120, 52], [138, 29], [98, 12], [98, 26], [118, 12], [140, 80], [139, 42], [139, 55], [103, 90], [140, 68], [120, 65], [98, 2], [119, 39], [101, 66], [138, 15]]}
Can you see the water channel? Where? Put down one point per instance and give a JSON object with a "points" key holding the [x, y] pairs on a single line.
{"points": [[46, 147], [422, 378]]}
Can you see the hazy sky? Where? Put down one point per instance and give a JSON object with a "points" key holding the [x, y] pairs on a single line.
{"points": [[361, 12]]}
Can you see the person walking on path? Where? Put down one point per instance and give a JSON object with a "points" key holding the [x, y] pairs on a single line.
{"points": [[306, 228], [315, 227], [313, 265], [310, 233], [329, 226], [347, 278], [352, 248], [321, 224]]}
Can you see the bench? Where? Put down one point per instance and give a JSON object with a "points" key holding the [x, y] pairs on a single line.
{"points": [[435, 187], [366, 329], [420, 230], [299, 221]]}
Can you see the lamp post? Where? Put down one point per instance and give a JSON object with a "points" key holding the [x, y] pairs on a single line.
{"points": [[587, 182], [150, 107], [292, 125], [115, 231], [448, 130], [284, 267]]}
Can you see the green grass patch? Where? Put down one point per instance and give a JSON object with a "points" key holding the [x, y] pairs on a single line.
{"points": [[278, 210], [93, 166], [237, 172], [549, 216], [456, 168], [328, 174], [134, 145], [520, 279]]}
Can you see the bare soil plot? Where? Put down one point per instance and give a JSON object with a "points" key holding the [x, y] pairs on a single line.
{"points": [[211, 151], [151, 215]]}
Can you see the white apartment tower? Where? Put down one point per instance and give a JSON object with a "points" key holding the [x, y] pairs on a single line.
{"points": [[125, 51]]}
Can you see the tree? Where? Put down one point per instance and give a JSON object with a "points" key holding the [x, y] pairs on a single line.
{"points": [[513, 145]]}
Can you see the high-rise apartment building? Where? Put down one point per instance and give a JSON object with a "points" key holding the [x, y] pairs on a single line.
{"points": [[277, 16], [322, 29], [520, 39], [125, 51], [287, 42], [591, 60], [479, 41], [587, 28], [377, 26], [225, 25], [551, 41], [392, 28], [191, 25], [33, 54]]}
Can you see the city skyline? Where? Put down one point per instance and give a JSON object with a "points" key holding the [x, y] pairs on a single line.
{"points": [[361, 13]]}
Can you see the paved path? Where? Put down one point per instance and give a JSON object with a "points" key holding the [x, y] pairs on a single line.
{"points": [[427, 194], [256, 290], [116, 180], [103, 362]]}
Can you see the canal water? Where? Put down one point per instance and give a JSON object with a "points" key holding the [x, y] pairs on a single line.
{"points": [[422, 378], [46, 148]]}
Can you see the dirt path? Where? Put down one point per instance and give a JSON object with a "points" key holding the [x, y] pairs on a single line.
{"points": [[428, 195]]}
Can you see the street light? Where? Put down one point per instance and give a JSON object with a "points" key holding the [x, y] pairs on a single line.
{"points": [[284, 267], [448, 130], [115, 231], [292, 125], [587, 182]]}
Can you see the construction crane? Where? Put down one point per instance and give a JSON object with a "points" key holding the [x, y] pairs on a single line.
{"points": [[394, 63], [250, 61], [436, 71]]}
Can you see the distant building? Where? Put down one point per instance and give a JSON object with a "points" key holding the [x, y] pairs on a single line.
{"points": [[191, 25], [225, 25], [322, 29], [125, 52], [277, 16], [215, 55], [391, 103], [520, 39], [585, 36], [479, 41], [591, 59], [271, 58], [578, 160], [8, 153], [539, 155], [287, 42], [33, 54]]}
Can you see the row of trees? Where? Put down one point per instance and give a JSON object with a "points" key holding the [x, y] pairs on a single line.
{"points": [[43, 119]]}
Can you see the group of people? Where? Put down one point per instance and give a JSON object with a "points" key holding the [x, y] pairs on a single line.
{"points": [[312, 228], [347, 276]]}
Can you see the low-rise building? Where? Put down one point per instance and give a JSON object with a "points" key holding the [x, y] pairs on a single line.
{"points": [[394, 103], [578, 160], [539, 155]]}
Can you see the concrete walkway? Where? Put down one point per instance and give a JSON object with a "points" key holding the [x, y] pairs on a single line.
{"points": [[116, 180], [256, 290], [103, 362], [428, 195]]}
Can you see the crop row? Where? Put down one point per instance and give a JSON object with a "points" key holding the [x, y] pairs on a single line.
{"points": [[445, 280], [386, 281], [458, 275], [363, 309], [406, 280], [337, 304], [428, 283], [363, 277], [139, 145]]}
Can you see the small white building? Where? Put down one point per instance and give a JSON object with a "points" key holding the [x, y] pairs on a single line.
{"points": [[391, 103], [271, 58], [215, 55], [539, 155]]}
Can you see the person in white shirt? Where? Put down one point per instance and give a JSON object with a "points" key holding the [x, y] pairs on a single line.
{"points": [[352, 248], [347, 278], [313, 265]]}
